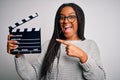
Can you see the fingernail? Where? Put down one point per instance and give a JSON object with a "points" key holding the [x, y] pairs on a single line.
{"points": [[57, 39], [16, 46]]}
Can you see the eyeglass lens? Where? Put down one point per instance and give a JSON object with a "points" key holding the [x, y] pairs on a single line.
{"points": [[70, 18]]}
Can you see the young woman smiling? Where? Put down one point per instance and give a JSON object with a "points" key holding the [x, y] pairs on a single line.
{"points": [[68, 55]]}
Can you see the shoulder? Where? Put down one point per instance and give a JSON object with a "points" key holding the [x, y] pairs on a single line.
{"points": [[90, 41], [45, 44]]}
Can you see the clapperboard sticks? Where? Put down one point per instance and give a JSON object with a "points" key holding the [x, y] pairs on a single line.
{"points": [[23, 21], [28, 41]]}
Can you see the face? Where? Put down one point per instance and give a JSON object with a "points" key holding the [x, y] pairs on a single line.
{"points": [[68, 23]]}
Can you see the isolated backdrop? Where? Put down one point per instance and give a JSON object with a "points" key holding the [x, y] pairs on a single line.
{"points": [[102, 25]]}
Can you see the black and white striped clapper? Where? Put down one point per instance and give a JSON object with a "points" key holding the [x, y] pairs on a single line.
{"points": [[28, 41]]}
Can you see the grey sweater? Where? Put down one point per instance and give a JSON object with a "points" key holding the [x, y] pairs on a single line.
{"points": [[69, 68]]}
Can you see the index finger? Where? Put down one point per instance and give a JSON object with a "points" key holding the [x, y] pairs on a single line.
{"points": [[63, 42]]}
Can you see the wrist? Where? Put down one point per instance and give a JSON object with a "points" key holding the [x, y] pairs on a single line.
{"points": [[83, 58]]}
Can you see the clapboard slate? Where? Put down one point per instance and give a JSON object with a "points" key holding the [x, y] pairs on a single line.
{"points": [[28, 41]]}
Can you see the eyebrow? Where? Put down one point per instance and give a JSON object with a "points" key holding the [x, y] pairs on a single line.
{"points": [[69, 13]]}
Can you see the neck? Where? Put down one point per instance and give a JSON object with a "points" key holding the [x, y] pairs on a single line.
{"points": [[73, 38]]}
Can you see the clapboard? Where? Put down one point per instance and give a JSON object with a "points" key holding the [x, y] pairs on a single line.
{"points": [[28, 41]]}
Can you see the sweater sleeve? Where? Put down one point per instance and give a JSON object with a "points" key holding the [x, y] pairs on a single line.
{"points": [[93, 69], [27, 71]]}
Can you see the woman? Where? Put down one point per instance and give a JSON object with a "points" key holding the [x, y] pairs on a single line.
{"points": [[68, 55]]}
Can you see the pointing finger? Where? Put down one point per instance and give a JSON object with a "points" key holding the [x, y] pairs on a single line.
{"points": [[63, 42]]}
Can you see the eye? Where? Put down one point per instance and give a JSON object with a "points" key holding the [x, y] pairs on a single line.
{"points": [[62, 17], [72, 17]]}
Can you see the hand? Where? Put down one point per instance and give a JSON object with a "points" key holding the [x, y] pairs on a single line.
{"points": [[74, 51], [11, 44]]}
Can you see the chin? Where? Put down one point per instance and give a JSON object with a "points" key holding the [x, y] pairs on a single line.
{"points": [[67, 37]]}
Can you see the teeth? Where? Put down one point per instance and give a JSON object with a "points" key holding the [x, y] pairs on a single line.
{"points": [[67, 27]]}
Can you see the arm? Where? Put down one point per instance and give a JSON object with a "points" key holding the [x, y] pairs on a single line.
{"points": [[27, 71], [92, 68], [89, 61]]}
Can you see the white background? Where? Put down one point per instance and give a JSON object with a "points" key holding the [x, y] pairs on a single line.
{"points": [[102, 25]]}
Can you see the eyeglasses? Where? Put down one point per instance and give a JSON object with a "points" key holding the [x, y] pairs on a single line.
{"points": [[70, 18]]}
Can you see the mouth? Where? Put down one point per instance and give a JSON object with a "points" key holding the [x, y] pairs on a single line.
{"points": [[67, 29]]}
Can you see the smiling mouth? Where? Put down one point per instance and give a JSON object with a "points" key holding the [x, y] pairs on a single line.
{"points": [[67, 29]]}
